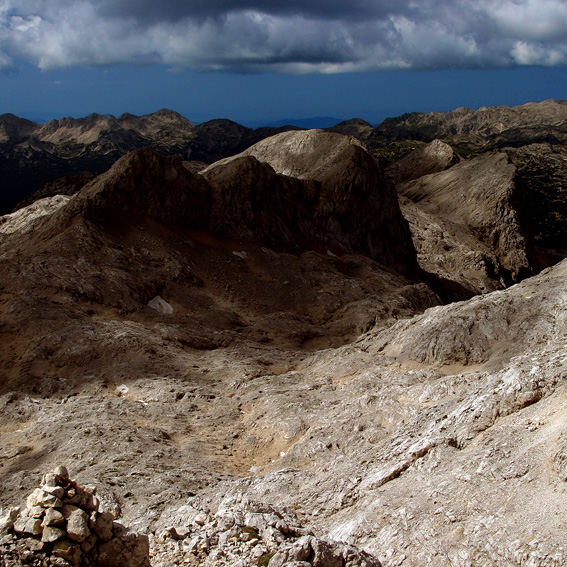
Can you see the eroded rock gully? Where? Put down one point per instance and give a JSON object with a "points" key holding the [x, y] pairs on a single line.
{"points": [[247, 401]]}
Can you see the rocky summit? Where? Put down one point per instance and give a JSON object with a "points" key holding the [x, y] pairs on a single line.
{"points": [[327, 349]]}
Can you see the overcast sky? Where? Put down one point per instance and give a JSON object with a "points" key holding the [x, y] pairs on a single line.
{"points": [[97, 55]]}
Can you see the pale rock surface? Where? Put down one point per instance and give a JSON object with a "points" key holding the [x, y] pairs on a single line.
{"points": [[465, 224], [22, 219], [248, 533], [160, 305], [431, 158]]}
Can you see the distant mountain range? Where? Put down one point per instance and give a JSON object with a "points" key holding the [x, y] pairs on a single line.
{"points": [[59, 156], [33, 154], [307, 123]]}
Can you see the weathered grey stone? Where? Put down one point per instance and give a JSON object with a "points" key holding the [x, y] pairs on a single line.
{"points": [[35, 498], [33, 526], [7, 521], [68, 509], [50, 479], [51, 534], [20, 523], [68, 550], [182, 531], [61, 473], [36, 512], [299, 551], [40, 498], [103, 526], [56, 491], [435, 156], [53, 518], [78, 526], [325, 554]]}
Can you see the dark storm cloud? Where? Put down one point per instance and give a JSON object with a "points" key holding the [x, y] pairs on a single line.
{"points": [[285, 35], [172, 10]]}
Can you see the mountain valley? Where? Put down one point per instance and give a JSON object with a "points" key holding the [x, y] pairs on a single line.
{"points": [[286, 347]]}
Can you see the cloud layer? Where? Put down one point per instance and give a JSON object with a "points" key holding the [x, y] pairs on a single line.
{"points": [[324, 36]]}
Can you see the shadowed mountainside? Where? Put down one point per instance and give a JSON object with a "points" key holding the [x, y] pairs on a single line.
{"points": [[534, 137], [32, 155], [355, 201]]}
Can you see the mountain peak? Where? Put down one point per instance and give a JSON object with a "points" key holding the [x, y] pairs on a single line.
{"points": [[13, 128]]}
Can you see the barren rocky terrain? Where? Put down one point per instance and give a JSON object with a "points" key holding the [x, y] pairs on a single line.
{"points": [[291, 356]]}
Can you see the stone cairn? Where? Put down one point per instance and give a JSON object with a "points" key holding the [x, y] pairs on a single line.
{"points": [[62, 525]]}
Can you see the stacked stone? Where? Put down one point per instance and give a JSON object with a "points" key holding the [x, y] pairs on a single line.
{"points": [[62, 525]]}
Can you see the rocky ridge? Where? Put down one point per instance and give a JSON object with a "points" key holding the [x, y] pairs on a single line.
{"points": [[533, 136], [466, 224], [431, 158], [354, 201], [243, 199], [486, 122], [33, 155]]}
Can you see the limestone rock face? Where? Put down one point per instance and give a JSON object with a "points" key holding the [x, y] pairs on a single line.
{"points": [[249, 199], [354, 204], [344, 204], [502, 324], [23, 218], [431, 158], [145, 184], [465, 223], [541, 172]]}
